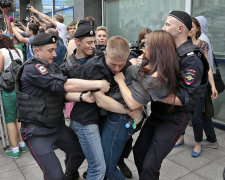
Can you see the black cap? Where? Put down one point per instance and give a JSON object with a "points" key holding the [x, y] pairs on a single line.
{"points": [[84, 29], [43, 39], [183, 17]]}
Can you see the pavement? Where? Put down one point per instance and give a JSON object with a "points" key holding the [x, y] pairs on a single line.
{"points": [[178, 165]]}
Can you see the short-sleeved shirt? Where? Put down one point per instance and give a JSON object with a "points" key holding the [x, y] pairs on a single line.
{"points": [[203, 46], [145, 89], [30, 52], [61, 28]]}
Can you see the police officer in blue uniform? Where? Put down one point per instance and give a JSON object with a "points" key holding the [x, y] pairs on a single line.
{"points": [[41, 92], [167, 122]]}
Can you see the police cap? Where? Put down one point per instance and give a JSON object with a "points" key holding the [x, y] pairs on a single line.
{"points": [[183, 17], [84, 29], [43, 39]]}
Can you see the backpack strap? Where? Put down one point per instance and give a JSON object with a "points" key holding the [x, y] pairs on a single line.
{"points": [[10, 54]]}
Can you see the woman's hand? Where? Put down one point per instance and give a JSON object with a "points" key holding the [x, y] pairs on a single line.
{"points": [[119, 77], [214, 94], [88, 97]]}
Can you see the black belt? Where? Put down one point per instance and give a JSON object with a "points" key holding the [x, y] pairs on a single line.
{"points": [[30, 125]]}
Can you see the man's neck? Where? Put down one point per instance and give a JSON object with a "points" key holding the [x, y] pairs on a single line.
{"points": [[80, 55], [179, 41]]}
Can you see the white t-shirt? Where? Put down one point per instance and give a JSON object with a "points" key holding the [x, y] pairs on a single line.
{"points": [[61, 28], [7, 59]]}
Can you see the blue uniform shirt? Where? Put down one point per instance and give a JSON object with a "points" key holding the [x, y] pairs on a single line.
{"points": [[40, 74]]}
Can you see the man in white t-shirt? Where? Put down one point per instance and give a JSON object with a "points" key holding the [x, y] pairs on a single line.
{"points": [[57, 22]]}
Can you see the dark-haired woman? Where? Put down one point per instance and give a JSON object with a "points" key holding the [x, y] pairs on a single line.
{"points": [[200, 111], [154, 80], [9, 99]]}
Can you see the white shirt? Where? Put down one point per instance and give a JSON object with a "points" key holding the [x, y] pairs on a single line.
{"points": [[61, 28], [7, 59]]}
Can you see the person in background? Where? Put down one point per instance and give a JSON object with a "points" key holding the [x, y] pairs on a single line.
{"points": [[57, 22], [61, 48], [101, 34], [26, 37], [9, 99], [8, 30], [202, 115], [71, 29]]}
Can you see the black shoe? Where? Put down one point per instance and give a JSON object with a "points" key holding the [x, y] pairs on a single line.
{"points": [[85, 175], [124, 169], [71, 176]]}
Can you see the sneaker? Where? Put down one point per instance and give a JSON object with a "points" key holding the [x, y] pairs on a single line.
{"points": [[208, 144], [14, 155], [23, 149]]}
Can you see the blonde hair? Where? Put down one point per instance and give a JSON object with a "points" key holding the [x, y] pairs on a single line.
{"points": [[118, 48], [101, 28]]}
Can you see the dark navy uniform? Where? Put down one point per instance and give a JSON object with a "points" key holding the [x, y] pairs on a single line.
{"points": [[166, 122], [40, 98]]}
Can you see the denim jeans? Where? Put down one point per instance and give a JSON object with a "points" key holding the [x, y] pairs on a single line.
{"points": [[90, 141], [114, 138]]}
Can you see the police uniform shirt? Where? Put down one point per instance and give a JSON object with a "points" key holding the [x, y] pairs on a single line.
{"points": [[40, 74], [96, 69], [190, 77]]}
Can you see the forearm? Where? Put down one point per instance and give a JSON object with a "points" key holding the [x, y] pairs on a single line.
{"points": [[73, 96], [18, 35], [45, 18], [109, 103], [78, 85], [127, 96], [211, 80], [8, 25]]}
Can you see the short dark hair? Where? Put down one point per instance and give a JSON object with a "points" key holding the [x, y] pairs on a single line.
{"points": [[196, 22], [143, 32], [34, 28]]}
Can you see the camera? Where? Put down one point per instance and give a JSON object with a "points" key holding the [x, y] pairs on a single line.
{"points": [[5, 3], [17, 23], [28, 7], [136, 45]]}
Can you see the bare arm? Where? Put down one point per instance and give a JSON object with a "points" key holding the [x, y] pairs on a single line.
{"points": [[173, 100], [1, 61], [214, 94], [126, 92], [7, 21], [109, 103], [78, 85], [42, 15], [75, 97], [40, 23], [19, 36]]}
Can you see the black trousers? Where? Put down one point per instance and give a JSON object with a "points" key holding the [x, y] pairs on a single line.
{"points": [[156, 140], [40, 140]]}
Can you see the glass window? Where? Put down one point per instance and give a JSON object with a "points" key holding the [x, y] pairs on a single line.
{"points": [[127, 17], [214, 13]]}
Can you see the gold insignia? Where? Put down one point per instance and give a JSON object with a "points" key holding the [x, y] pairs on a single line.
{"points": [[53, 39]]}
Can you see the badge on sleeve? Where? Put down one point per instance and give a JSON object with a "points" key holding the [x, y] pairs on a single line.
{"points": [[189, 76], [41, 69]]}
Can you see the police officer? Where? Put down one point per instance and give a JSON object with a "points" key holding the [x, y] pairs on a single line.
{"points": [[41, 90], [84, 38], [167, 122]]}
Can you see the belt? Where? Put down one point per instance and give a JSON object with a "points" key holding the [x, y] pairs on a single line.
{"points": [[30, 125]]}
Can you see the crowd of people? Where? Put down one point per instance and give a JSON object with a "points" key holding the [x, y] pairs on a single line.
{"points": [[109, 84]]}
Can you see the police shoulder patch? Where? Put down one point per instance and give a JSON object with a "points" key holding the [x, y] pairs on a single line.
{"points": [[41, 69], [189, 77]]}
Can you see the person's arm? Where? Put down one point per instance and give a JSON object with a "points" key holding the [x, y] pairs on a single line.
{"points": [[173, 100], [1, 61], [7, 21], [126, 92], [19, 36], [214, 94], [78, 85], [39, 22], [109, 103], [78, 96], [42, 15], [71, 46]]}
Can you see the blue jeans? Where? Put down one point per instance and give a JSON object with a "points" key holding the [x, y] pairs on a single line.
{"points": [[90, 141], [114, 138]]}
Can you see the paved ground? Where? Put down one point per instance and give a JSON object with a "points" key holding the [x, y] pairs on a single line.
{"points": [[179, 165]]}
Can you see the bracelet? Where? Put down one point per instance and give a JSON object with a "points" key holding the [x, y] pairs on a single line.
{"points": [[80, 98]]}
